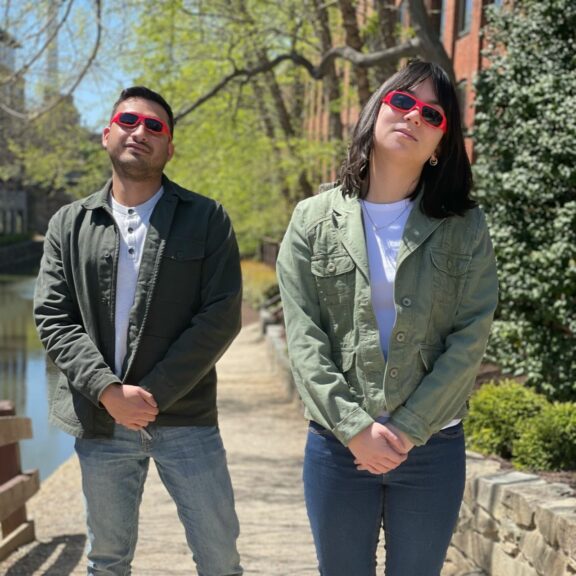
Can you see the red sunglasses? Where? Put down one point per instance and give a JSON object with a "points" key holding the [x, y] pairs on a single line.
{"points": [[133, 119], [404, 102]]}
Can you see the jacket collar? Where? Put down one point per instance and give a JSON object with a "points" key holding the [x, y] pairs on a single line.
{"points": [[349, 221], [172, 193]]}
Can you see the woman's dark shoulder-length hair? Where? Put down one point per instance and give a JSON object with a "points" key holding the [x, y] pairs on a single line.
{"points": [[447, 186]]}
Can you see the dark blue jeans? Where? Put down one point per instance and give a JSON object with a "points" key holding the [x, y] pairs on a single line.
{"points": [[417, 504]]}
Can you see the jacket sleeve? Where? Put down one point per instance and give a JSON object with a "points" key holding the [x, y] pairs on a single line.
{"points": [[195, 352], [442, 393], [322, 387], [59, 321]]}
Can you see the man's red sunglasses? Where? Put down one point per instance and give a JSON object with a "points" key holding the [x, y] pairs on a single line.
{"points": [[133, 119], [404, 102]]}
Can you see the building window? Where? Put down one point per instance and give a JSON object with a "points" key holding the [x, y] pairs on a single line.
{"points": [[464, 16]]}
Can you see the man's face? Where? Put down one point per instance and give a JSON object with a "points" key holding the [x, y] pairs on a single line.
{"points": [[135, 152]]}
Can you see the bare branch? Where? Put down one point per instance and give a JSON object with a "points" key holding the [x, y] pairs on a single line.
{"points": [[79, 78]]}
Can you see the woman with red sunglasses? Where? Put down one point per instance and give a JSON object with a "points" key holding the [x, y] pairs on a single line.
{"points": [[389, 286]]}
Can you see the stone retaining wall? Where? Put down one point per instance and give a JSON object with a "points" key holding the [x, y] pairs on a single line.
{"points": [[511, 523]]}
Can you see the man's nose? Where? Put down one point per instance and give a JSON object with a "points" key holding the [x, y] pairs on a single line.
{"points": [[139, 131]]}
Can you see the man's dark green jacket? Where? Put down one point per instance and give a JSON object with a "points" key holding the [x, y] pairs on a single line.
{"points": [[186, 309]]}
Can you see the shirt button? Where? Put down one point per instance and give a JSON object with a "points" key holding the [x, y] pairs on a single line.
{"points": [[331, 267], [130, 230], [131, 250], [393, 372], [400, 337], [130, 211], [406, 302]]}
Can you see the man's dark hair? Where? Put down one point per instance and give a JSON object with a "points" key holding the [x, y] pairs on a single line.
{"points": [[146, 94], [447, 187]]}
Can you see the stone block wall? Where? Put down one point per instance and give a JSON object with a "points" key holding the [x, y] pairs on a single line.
{"points": [[512, 524]]}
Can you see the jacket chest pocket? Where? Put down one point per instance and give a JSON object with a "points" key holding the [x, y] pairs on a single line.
{"points": [[334, 275], [449, 275], [335, 280], [181, 271]]}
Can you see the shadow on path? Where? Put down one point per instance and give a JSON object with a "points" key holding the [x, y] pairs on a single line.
{"points": [[61, 556]]}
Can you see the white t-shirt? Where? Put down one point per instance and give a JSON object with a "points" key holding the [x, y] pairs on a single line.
{"points": [[132, 222], [383, 227]]}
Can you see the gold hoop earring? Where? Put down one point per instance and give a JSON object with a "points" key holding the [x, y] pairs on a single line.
{"points": [[433, 161]]}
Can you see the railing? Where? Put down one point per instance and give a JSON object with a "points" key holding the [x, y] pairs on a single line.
{"points": [[16, 488]]}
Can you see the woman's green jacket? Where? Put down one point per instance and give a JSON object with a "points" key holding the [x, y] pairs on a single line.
{"points": [[446, 291]]}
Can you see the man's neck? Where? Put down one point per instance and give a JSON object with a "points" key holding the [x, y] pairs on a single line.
{"points": [[131, 192]]}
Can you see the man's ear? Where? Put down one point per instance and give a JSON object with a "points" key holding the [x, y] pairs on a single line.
{"points": [[105, 134], [170, 150]]}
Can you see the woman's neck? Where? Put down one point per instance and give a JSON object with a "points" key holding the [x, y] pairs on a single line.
{"points": [[391, 183]]}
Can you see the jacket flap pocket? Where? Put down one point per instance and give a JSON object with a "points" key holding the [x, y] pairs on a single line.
{"points": [[184, 249], [326, 266], [453, 264], [429, 356]]}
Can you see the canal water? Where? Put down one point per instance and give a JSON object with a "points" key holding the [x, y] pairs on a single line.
{"points": [[25, 373]]}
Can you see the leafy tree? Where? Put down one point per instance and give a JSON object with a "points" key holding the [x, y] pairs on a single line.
{"points": [[524, 141]]}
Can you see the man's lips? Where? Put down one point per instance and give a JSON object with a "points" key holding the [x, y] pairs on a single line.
{"points": [[406, 133], [138, 147]]}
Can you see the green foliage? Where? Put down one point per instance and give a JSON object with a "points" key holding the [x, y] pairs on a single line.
{"points": [[495, 411], [258, 281], [9, 239], [548, 441], [56, 152], [524, 143]]}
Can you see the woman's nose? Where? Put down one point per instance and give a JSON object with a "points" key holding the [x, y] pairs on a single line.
{"points": [[414, 116]]}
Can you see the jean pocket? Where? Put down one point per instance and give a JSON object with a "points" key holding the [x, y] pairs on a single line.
{"points": [[456, 431], [315, 428]]}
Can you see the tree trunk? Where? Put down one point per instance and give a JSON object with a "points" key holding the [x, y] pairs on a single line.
{"points": [[354, 40], [332, 82]]}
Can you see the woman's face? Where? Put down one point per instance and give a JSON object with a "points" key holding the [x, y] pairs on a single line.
{"points": [[403, 136]]}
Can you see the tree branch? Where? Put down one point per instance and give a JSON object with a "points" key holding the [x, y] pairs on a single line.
{"points": [[410, 48]]}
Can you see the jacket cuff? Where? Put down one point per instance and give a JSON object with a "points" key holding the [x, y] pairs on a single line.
{"points": [[415, 427], [353, 424], [98, 383]]}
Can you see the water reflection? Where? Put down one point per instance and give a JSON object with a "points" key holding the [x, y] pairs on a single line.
{"points": [[25, 374]]}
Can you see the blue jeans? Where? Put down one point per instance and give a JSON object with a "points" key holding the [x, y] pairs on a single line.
{"points": [[417, 504], [191, 462]]}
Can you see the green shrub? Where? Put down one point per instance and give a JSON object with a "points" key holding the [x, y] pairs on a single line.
{"points": [[259, 282], [548, 440], [495, 411]]}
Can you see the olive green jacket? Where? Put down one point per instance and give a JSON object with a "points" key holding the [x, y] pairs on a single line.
{"points": [[446, 291], [186, 310]]}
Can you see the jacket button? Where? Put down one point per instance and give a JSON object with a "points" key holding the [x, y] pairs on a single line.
{"points": [[400, 337], [393, 372], [406, 302], [106, 254], [331, 267]]}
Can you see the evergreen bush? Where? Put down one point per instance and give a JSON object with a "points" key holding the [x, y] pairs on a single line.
{"points": [[496, 409], [548, 441], [524, 135]]}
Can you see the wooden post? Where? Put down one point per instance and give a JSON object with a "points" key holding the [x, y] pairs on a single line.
{"points": [[15, 487]]}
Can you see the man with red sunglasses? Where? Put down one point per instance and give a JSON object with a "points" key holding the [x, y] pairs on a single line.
{"points": [[138, 296]]}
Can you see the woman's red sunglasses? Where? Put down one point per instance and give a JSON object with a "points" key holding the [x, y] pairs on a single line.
{"points": [[132, 119], [404, 102]]}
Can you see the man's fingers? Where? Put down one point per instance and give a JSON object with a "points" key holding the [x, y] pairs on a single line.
{"points": [[148, 398]]}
